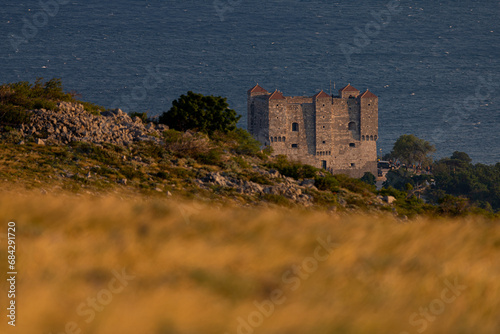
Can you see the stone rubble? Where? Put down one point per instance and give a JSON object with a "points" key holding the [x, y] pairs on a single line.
{"points": [[73, 123], [289, 188]]}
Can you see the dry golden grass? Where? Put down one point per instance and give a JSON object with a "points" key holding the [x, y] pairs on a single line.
{"points": [[199, 269]]}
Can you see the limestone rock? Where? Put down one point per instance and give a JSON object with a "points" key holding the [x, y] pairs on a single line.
{"points": [[72, 123], [389, 199]]}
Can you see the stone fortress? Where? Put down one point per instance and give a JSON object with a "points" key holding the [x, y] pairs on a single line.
{"points": [[337, 133]]}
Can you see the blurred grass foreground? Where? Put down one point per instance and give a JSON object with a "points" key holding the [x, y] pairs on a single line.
{"points": [[136, 265]]}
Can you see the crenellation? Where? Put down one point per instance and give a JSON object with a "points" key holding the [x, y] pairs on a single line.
{"points": [[338, 133]]}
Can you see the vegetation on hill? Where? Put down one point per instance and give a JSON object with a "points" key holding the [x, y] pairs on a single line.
{"points": [[456, 185], [457, 176], [409, 149], [16, 99], [207, 114], [181, 162]]}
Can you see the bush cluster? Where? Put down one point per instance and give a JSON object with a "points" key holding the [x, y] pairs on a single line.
{"points": [[293, 169], [16, 99]]}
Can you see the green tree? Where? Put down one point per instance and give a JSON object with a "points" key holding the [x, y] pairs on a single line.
{"points": [[369, 178], [410, 149], [458, 177], [206, 114], [462, 156]]}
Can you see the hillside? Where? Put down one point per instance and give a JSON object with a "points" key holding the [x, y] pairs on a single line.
{"points": [[62, 151], [51, 141]]}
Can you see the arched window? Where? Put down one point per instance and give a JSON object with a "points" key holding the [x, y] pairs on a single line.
{"points": [[271, 139], [371, 137], [295, 126], [279, 139], [284, 139], [275, 139], [375, 137], [363, 138], [352, 126]]}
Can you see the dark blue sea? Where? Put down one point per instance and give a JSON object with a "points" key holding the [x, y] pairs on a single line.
{"points": [[435, 65]]}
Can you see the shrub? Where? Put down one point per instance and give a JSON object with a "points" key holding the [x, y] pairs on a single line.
{"points": [[247, 144], [162, 175], [239, 141], [369, 178], [241, 162], [260, 179], [393, 192], [189, 144], [142, 115], [412, 206], [148, 150], [294, 169], [265, 153], [328, 182], [44, 104], [17, 98], [325, 198], [453, 206], [92, 108], [14, 115], [276, 199], [212, 157], [354, 185], [96, 152], [172, 136]]}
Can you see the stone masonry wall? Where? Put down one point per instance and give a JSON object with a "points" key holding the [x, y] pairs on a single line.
{"points": [[338, 133]]}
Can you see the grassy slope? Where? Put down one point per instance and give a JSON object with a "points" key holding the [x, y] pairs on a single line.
{"points": [[155, 170], [199, 268]]}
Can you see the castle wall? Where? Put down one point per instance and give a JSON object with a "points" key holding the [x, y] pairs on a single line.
{"points": [[369, 118], [258, 119], [335, 133]]}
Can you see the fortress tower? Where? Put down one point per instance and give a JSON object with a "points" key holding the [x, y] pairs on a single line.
{"points": [[337, 133]]}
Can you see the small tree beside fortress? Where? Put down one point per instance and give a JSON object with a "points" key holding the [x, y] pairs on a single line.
{"points": [[206, 114]]}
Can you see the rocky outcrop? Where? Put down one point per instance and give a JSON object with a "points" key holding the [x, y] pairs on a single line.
{"points": [[288, 188], [72, 123]]}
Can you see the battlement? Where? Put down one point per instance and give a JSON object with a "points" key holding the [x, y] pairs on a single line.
{"points": [[337, 133]]}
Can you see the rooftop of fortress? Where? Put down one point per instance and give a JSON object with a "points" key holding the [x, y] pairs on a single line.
{"points": [[344, 92]]}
